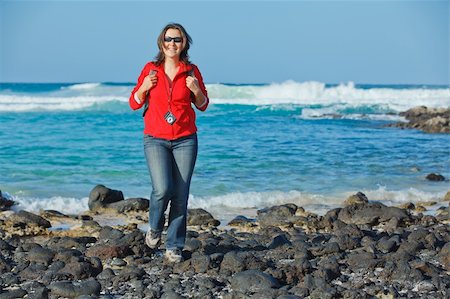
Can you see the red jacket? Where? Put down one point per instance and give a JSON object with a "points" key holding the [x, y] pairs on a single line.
{"points": [[180, 102]]}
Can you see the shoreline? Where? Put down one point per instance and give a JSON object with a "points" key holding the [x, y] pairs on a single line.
{"points": [[362, 249]]}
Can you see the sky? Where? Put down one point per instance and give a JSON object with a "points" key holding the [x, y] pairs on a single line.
{"points": [[366, 42]]}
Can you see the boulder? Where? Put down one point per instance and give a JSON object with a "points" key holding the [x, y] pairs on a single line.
{"points": [[370, 213], [201, 217], [277, 215], [242, 221], [253, 281], [100, 196], [130, 204], [358, 198], [71, 289], [5, 202], [435, 177], [108, 251], [27, 219]]}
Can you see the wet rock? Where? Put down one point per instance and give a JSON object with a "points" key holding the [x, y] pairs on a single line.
{"points": [[192, 244], [346, 241], [108, 251], [411, 247], [100, 196], [52, 214], [444, 256], [253, 281], [328, 248], [106, 274], [276, 215], [73, 289], [28, 219], [171, 294], [41, 255], [231, 263], [242, 221], [199, 217], [216, 259], [108, 233], [5, 202], [9, 279], [130, 204], [32, 271], [358, 198], [69, 242], [67, 255], [117, 262], [370, 214], [128, 273], [386, 245], [403, 271], [35, 290], [435, 177], [12, 294], [279, 241], [79, 270], [200, 263], [5, 264], [363, 260]]}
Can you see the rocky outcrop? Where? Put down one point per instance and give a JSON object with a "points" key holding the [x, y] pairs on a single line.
{"points": [[102, 197], [429, 120]]}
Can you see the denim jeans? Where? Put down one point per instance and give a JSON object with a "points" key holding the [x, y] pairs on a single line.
{"points": [[171, 164]]}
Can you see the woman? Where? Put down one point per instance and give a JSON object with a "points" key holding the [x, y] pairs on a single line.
{"points": [[166, 88]]}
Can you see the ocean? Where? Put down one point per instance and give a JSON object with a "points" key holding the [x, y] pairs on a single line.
{"points": [[309, 143]]}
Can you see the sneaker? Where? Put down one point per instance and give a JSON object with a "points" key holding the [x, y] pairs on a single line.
{"points": [[152, 239], [173, 255]]}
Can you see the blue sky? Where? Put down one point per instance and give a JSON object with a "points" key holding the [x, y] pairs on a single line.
{"points": [[374, 42]]}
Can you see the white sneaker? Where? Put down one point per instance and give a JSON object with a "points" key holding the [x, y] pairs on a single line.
{"points": [[173, 255], [152, 239]]}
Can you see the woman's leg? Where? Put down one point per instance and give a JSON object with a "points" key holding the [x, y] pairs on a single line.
{"points": [[159, 161], [184, 154]]}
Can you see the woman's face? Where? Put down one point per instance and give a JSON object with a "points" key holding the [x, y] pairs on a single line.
{"points": [[173, 43]]}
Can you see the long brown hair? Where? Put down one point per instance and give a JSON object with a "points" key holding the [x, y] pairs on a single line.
{"points": [[184, 57]]}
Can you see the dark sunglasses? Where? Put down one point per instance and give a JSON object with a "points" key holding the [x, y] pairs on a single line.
{"points": [[175, 39]]}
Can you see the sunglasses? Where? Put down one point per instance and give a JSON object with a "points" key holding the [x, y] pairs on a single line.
{"points": [[175, 39]]}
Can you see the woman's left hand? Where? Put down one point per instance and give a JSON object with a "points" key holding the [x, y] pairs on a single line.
{"points": [[192, 84]]}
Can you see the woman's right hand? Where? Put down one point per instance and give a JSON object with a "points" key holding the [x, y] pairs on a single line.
{"points": [[147, 84]]}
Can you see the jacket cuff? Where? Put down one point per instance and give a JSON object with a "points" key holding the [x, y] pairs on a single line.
{"points": [[137, 99]]}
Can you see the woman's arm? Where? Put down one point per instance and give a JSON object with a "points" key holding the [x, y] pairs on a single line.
{"points": [[196, 85]]}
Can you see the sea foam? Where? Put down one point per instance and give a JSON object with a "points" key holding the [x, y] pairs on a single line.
{"points": [[310, 95], [229, 205]]}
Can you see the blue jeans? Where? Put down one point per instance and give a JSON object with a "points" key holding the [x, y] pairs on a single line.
{"points": [[171, 164]]}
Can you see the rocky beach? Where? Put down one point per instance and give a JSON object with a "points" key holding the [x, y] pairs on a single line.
{"points": [[362, 249]]}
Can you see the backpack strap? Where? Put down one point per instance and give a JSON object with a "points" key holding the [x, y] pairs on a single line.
{"points": [[146, 104], [192, 74], [147, 95]]}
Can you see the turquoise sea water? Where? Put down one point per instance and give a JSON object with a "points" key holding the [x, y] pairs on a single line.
{"points": [[308, 143]]}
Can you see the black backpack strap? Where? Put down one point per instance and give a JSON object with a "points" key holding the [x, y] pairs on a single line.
{"points": [[147, 95], [146, 104], [192, 74]]}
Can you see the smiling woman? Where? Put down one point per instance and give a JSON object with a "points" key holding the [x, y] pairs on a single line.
{"points": [[167, 87]]}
